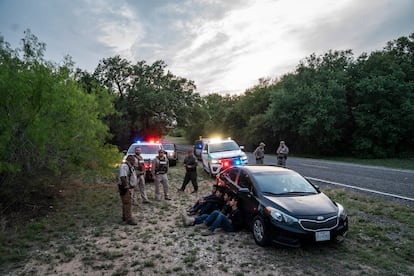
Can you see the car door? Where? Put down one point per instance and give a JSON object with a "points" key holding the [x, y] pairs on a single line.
{"points": [[247, 197], [228, 178]]}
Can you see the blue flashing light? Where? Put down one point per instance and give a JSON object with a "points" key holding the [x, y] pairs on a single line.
{"points": [[199, 146], [138, 141], [237, 162]]}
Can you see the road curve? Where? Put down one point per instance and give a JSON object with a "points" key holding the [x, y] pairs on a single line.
{"points": [[386, 182]]}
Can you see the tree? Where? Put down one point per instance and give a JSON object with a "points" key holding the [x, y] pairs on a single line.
{"points": [[150, 100], [309, 106], [383, 101], [50, 127]]}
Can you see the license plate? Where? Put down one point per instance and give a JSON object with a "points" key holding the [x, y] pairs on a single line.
{"points": [[323, 236]]}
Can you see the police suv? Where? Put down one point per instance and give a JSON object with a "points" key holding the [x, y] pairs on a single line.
{"points": [[149, 150], [218, 154]]}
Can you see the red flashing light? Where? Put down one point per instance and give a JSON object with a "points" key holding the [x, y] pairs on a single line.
{"points": [[225, 163]]}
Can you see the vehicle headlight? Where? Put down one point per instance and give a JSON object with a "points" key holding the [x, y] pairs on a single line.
{"points": [[341, 212], [214, 161], [280, 216]]}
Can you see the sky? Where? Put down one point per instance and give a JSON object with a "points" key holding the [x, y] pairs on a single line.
{"points": [[224, 46]]}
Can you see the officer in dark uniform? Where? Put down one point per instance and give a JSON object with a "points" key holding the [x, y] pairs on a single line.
{"points": [[159, 172], [190, 164]]}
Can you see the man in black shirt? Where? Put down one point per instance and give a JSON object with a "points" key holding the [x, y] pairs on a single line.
{"points": [[190, 164]]}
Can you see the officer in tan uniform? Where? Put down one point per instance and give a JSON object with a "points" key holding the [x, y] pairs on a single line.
{"points": [[159, 173], [140, 171], [127, 180]]}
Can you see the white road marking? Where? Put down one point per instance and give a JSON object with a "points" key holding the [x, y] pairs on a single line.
{"points": [[314, 166], [362, 189]]}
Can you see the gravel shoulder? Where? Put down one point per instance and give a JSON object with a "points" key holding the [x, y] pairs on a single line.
{"points": [[95, 241]]}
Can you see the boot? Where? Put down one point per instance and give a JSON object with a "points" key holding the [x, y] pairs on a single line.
{"points": [[132, 222], [188, 221]]}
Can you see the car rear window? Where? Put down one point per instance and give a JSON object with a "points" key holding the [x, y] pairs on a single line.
{"points": [[282, 183]]}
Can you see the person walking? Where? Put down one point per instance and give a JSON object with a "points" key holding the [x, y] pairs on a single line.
{"points": [[140, 171], [282, 153], [259, 153], [190, 164], [159, 172], [127, 181]]}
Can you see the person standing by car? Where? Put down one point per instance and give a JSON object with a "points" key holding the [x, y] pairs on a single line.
{"points": [[282, 153], [140, 171], [159, 172], [190, 164], [259, 153], [127, 180]]}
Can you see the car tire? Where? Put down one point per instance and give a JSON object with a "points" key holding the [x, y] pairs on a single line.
{"points": [[260, 231]]}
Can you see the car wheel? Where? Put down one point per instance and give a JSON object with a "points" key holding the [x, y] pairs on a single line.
{"points": [[260, 231]]}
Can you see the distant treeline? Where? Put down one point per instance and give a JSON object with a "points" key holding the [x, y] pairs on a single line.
{"points": [[57, 120]]}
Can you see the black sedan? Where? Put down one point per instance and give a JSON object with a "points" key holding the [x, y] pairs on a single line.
{"points": [[281, 206]]}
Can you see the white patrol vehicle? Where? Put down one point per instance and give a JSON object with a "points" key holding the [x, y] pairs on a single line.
{"points": [[149, 150], [218, 154]]}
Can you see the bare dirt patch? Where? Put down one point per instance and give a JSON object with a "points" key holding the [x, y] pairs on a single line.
{"points": [[95, 241]]}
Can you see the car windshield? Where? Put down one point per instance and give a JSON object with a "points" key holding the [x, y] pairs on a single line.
{"points": [[168, 146], [283, 184], [225, 146], [145, 149]]}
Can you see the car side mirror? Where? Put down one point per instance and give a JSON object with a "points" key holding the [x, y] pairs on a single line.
{"points": [[124, 151], [242, 148]]}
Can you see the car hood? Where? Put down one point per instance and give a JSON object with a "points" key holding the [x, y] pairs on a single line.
{"points": [[307, 205], [226, 154], [149, 156]]}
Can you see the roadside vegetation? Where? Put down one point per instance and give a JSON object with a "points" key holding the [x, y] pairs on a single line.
{"points": [[83, 234], [62, 129]]}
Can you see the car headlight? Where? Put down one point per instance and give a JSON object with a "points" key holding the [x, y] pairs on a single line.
{"points": [[280, 216], [214, 161], [341, 212]]}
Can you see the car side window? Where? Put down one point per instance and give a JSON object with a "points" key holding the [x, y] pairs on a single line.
{"points": [[233, 172], [244, 181]]}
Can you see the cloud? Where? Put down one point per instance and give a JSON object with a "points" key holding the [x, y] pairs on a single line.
{"points": [[224, 46]]}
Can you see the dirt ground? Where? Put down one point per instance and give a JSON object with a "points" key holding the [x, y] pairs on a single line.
{"points": [[161, 245]]}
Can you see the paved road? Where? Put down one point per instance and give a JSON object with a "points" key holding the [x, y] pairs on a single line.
{"points": [[381, 181], [395, 183]]}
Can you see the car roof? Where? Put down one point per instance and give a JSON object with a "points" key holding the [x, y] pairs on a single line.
{"points": [[145, 143], [221, 141], [265, 169]]}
